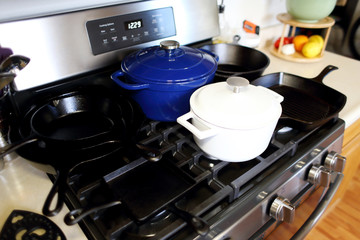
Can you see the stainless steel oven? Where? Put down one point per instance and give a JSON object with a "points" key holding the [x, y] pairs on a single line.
{"points": [[185, 195]]}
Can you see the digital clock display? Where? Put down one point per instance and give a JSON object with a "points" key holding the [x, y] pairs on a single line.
{"points": [[135, 24]]}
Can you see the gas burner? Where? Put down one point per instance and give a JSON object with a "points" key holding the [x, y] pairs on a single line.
{"points": [[150, 228], [208, 163]]}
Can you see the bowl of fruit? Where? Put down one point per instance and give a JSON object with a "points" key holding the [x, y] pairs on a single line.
{"points": [[309, 47], [300, 48]]}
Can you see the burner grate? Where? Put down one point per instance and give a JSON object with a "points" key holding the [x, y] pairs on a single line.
{"points": [[215, 183]]}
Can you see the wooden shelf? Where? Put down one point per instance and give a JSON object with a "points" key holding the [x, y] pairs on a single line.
{"points": [[287, 20], [296, 57], [323, 23]]}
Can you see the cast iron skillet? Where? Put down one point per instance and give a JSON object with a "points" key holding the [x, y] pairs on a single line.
{"points": [[66, 131], [70, 121], [308, 103], [92, 127], [236, 60]]}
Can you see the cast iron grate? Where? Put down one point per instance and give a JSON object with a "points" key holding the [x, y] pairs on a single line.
{"points": [[215, 183]]}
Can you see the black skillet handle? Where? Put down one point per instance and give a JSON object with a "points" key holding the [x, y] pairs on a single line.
{"points": [[60, 185], [14, 146], [79, 214], [319, 78], [58, 188]]}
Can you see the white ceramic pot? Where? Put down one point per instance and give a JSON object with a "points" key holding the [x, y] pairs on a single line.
{"points": [[233, 120]]}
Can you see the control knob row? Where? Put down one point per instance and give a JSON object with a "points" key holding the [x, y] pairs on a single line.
{"points": [[282, 210]]}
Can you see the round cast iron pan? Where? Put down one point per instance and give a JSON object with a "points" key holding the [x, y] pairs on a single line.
{"points": [[308, 103], [237, 60], [86, 112], [69, 122]]}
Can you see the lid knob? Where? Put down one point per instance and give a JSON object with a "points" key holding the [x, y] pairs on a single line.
{"points": [[169, 44], [237, 83]]}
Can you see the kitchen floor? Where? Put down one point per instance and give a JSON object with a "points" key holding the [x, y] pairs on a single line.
{"points": [[343, 221]]}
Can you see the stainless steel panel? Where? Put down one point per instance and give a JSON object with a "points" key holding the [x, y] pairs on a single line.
{"points": [[58, 45], [26, 9], [246, 216]]}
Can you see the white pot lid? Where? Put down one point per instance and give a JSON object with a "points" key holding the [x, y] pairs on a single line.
{"points": [[236, 104]]}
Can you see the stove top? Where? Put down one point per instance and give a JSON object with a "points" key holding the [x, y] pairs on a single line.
{"points": [[184, 195], [139, 199]]}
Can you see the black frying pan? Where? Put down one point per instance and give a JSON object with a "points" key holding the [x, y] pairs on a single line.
{"points": [[68, 122], [236, 60], [308, 103], [67, 131], [92, 127]]}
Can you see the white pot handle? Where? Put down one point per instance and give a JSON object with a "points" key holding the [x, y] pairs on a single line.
{"points": [[201, 134]]}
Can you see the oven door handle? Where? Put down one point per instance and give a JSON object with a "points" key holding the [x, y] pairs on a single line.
{"points": [[319, 210]]}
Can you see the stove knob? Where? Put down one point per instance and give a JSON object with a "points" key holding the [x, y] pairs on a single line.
{"points": [[282, 210], [335, 162], [319, 176]]}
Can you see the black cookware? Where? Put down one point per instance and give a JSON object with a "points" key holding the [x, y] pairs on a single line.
{"points": [[308, 103], [144, 189], [237, 60], [69, 122], [76, 128]]}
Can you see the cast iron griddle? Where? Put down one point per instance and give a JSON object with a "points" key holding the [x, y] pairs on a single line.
{"points": [[308, 103], [301, 105], [149, 188]]}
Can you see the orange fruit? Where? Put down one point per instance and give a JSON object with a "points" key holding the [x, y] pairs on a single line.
{"points": [[299, 41]]}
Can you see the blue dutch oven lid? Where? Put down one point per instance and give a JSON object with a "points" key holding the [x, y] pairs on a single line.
{"points": [[169, 63]]}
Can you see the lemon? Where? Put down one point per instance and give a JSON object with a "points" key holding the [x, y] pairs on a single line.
{"points": [[318, 39], [311, 49]]}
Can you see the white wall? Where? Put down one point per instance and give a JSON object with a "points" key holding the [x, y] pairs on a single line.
{"points": [[260, 12]]}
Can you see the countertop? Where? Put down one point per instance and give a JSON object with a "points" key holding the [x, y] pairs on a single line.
{"points": [[25, 188]]}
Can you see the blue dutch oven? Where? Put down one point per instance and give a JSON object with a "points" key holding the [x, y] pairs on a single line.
{"points": [[162, 78]]}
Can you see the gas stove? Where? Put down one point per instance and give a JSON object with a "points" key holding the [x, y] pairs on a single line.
{"points": [[234, 199], [184, 194]]}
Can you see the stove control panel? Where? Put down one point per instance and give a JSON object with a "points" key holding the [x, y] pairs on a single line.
{"points": [[319, 176], [116, 32], [335, 162], [282, 210]]}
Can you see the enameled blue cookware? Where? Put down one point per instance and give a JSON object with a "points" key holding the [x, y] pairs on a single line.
{"points": [[162, 78]]}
